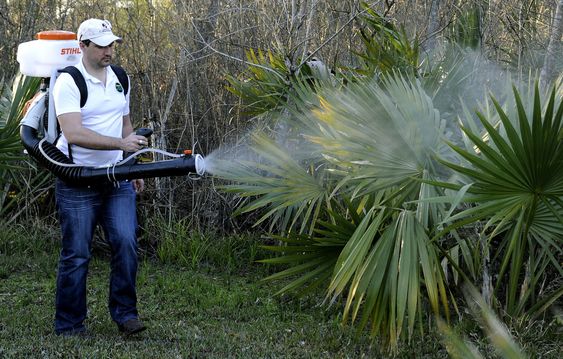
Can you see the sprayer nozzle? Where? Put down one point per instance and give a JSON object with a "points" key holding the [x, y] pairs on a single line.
{"points": [[199, 165]]}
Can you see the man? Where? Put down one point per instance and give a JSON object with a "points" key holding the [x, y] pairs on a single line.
{"points": [[96, 135]]}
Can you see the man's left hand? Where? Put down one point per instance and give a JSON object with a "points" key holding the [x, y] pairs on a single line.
{"points": [[138, 185]]}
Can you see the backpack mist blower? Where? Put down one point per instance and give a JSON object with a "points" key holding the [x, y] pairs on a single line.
{"points": [[54, 52]]}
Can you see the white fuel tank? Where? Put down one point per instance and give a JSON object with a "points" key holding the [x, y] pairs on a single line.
{"points": [[53, 50]]}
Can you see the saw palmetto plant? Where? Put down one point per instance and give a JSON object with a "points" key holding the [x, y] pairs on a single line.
{"points": [[514, 178], [363, 212], [386, 47], [264, 86], [15, 185], [11, 107], [354, 212], [270, 78]]}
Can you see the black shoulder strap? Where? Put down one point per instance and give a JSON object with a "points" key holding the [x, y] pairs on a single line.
{"points": [[122, 77], [79, 81]]}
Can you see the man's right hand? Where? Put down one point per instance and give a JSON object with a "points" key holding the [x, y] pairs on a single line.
{"points": [[133, 143]]}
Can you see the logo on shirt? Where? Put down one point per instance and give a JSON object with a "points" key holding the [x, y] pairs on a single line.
{"points": [[118, 87]]}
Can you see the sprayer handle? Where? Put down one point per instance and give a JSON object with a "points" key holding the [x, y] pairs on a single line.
{"points": [[146, 132], [143, 131]]}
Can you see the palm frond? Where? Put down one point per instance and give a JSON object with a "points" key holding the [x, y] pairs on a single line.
{"points": [[312, 258], [382, 267], [286, 190], [379, 135]]}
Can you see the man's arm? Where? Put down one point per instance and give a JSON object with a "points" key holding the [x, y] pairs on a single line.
{"points": [[76, 134], [127, 126], [138, 184]]}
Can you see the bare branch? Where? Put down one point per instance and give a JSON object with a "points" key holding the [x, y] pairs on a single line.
{"points": [[207, 45], [312, 53]]}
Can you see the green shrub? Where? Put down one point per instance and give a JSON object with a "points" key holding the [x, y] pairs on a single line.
{"points": [[177, 242], [28, 239]]}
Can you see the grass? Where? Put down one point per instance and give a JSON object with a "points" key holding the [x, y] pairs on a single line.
{"points": [[189, 314], [213, 307]]}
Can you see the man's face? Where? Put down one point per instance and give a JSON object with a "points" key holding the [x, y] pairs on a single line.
{"points": [[96, 55]]}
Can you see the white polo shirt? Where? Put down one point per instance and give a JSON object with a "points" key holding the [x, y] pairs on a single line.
{"points": [[102, 113]]}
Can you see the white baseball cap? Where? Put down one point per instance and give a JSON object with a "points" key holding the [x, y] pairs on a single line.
{"points": [[98, 31]]}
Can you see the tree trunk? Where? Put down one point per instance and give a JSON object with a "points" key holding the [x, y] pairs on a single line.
{"points": [[433, 25], [546, 75], [162, 185]]}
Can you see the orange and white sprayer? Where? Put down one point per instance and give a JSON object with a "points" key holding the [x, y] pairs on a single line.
{"points": [[52, 51]]}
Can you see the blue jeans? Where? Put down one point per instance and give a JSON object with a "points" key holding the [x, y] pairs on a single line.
{"points": [[80, 209]]}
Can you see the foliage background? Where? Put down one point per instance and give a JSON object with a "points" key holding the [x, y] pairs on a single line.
{"points": [[178, 54]]}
